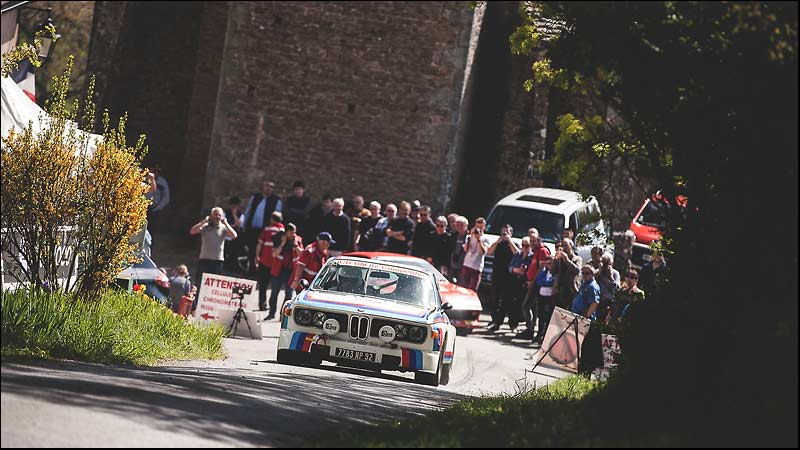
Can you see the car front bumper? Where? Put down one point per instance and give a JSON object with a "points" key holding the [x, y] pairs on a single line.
{"points": [[386, 358]]}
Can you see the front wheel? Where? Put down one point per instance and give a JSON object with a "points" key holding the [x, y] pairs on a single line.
{"points": [[434, 379]]}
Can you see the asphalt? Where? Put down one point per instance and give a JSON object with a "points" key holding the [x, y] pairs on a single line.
{"points": [[246, 400]]}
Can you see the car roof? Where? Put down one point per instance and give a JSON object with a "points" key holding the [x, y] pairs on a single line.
{"points": [[545, 199], [386, 263], [397, 256]]}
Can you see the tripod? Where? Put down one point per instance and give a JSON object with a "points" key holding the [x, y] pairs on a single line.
{"points": [[239, 292]]}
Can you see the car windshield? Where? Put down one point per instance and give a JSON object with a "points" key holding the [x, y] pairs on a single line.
{"points": [[550, 225], [654, 214], [379, 281], [418, 263]]}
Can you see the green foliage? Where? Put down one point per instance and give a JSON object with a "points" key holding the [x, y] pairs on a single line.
{"points": [[57, 197], [120, 327], [566, 413], [699, 99], [23, 51]]}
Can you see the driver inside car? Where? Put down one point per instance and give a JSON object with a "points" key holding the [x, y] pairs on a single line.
{"points": [[350, 280]]}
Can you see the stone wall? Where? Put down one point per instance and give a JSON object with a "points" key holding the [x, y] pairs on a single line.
{"points": [[352, 97]]}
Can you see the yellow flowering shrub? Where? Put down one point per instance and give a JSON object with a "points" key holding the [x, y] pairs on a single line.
{"points": [[64, 206]]}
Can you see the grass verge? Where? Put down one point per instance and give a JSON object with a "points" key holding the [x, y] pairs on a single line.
{"points": [[120, 327], [558, 415]]}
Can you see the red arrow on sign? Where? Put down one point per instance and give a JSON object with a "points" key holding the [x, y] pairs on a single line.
{"points": [[206, 316]]}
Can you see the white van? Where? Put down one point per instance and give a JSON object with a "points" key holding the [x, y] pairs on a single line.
{"points": [[550, 211]]}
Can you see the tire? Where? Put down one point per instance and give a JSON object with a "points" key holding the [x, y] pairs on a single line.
{"points": [[446, 368], [432, 379]]}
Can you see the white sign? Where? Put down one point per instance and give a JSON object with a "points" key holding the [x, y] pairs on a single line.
{"points": [[562, 346], [217, 295], [610, 351]]}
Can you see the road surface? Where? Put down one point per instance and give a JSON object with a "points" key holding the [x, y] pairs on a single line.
{"points": [[246, 400]]}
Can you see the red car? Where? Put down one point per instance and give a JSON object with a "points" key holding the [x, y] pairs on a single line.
{"points": [[467, 306], [647, 225]]}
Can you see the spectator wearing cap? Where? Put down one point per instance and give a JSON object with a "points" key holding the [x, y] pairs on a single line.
{"points": [[366, 226], [414, 213], [264, 248], [423, 231], [312, 259], [297, 207], [316, 215], [400, 231], [259, 208], [337, 223], [286, 249]]}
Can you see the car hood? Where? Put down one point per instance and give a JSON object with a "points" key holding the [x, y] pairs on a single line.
{"points": [[365, 305], [461, 298]]}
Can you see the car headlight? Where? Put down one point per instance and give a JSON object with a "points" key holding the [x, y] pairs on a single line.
{"points": [[416, 334], [319, 319], [303, 317], [401, 331]]}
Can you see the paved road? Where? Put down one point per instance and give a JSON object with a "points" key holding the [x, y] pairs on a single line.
{"points": [[246, 400]]}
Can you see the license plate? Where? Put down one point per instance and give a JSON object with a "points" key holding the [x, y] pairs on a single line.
{"points": [[355, 355]]}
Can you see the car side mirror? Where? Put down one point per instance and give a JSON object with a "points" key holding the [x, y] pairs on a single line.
{"points": [[303, 283], [446, 307]]}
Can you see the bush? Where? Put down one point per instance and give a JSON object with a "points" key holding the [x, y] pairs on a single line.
{"points": [[120, 327], [59, 195]]}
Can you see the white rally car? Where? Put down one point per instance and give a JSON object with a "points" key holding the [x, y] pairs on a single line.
{"points": [[372, 315]]}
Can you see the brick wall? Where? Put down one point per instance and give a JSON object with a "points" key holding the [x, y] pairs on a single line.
{"points": [[351, 97]]}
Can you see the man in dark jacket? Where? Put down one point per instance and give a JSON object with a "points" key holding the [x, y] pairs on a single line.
{"points": [[256, 217], [297, 208], [337, 223]]}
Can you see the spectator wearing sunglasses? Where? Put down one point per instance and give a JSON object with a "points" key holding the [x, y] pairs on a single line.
{"points": [[628, 295], [423, 231], [441, 243]]}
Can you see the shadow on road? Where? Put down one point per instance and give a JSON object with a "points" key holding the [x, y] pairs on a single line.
{"points": [[227, 405]]}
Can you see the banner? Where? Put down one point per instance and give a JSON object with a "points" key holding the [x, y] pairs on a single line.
{"points": [[560, 348], [610, 351], [218, 299]]}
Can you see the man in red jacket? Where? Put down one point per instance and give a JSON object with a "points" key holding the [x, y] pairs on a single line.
{"points": [[540, 254], [312, 259], [264, 257]]}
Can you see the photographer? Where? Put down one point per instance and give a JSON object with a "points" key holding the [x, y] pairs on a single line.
{"points": [[287, 247], [503, 251], [475, 249], [213, 230]]}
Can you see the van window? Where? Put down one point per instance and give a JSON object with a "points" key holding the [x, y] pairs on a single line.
{"points": [[588, 218], [550, 225]]}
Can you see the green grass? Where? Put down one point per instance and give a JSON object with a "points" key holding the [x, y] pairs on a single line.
{"points": [[568, 413], [120, 327]]}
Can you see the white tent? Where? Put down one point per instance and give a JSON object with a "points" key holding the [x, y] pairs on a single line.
{"points": [[18, 110]]}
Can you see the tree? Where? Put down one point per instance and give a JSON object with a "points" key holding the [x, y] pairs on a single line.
{"points": [[700, 99]]}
